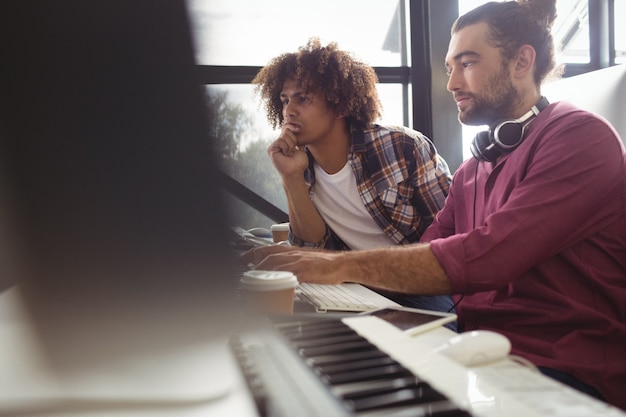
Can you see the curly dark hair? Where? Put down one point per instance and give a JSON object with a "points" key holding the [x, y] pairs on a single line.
{"points": [[516, 23], [348, 85]]}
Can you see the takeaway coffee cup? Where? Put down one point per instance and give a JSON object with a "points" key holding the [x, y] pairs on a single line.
{"points": [[280, 232], [270, 292]]}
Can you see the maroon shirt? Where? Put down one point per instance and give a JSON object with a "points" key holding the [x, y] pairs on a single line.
{"points": [[537, 243]]}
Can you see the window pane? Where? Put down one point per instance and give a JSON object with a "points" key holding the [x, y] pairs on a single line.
{"points": [[251, 32], [571, 31], [241, 136]]}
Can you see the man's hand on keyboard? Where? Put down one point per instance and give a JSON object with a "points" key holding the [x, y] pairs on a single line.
{"points": [[315, 266], [255, 255]]}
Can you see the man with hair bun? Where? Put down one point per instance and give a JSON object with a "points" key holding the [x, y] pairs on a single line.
{"points": [[350, 183], [532, 238]]}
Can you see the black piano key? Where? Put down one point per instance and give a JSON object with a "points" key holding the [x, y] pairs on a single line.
{"points": [[337, 348], [295, 326], [322, 360], [385, 390], [363, 388], [415, 395], [327, 341], [318, 333], [380, 372], [304, 326], [444, 408], [354, 365]]}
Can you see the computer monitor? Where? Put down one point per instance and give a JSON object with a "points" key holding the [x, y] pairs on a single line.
{"points": [[116, 226]]}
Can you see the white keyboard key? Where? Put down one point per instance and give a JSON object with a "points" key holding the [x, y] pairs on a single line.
{"points": [[334, 297]]}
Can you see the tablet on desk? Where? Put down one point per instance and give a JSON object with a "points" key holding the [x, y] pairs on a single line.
{"points": [[412, 321]]}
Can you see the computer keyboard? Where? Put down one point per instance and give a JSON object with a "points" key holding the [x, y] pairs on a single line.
{"points": [[334, 297]]}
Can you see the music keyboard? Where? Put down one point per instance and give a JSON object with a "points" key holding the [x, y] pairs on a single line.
{"points": [[323, 368], [359, 366]]}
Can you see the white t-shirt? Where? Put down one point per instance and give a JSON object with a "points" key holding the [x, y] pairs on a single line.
{"points": [[337, 200]]}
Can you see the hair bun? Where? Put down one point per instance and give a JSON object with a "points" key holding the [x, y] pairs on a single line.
{"points": [[544, 11]]}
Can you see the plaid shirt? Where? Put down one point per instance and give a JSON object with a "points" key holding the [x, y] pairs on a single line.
{"points": [[401, 179]]}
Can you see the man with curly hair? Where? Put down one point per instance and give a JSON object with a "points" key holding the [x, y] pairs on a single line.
{"points": [[350, 183], [532, 238]]}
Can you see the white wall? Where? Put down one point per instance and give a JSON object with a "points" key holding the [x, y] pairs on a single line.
{"points": [[602, 92]]}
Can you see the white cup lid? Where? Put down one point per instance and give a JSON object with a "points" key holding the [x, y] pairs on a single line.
{"points": [[257, 280], [280, 227]]}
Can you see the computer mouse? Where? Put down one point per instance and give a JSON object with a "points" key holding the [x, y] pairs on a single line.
{"points": [[476, 347], [260, 232]]}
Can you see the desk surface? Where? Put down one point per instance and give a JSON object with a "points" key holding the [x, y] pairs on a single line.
{"points": [[29, 387]]}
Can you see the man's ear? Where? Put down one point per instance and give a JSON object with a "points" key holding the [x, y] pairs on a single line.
{"points": [[525, 61]]}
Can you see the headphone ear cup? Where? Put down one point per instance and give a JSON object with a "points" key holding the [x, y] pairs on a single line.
{"points": [[507, 135], [482, 147], [504, 135]]}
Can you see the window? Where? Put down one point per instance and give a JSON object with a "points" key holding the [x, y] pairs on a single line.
{"points": [[571, 31], [251, 32]]}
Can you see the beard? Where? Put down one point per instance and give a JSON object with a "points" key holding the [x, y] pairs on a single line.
{"points": [[497, 101]]}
